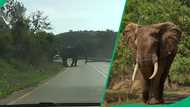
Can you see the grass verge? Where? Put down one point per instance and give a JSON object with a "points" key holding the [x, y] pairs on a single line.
{"points": [[17, 75]]}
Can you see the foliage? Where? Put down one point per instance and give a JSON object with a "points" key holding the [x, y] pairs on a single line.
{"points": [[38, 22], [147, 12], [27, 39], [180, 70], [87, 43], [17, 75], [123, 59], [26, 48]]}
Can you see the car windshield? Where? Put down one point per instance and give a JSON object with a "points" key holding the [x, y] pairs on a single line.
{"points": [[56, 51]]}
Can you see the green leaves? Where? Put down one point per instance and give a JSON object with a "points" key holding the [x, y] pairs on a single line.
{"points": [[148, 12], [180, 69], [38, 22]]}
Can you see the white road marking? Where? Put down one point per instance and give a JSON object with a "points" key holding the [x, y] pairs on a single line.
{"points": [[27, 94], [19, 98], [99, 71]]}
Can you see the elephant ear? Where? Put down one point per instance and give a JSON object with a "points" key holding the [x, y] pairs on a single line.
{"points": [[130, 35], [170, 37]]}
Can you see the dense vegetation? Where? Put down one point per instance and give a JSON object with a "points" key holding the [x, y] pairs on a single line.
{"points": [[25, 37], [26, 48], [145, 12], [96, 44]]}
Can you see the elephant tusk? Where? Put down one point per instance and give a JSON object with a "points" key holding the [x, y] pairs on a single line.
{"points": [[155, 70], [136, 42], [135, 71]]}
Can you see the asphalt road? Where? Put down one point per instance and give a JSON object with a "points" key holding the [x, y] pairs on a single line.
{"points": [[81, 84]]}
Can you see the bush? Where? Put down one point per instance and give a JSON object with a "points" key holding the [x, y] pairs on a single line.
{"points": [[17, 75], [180, 69]]}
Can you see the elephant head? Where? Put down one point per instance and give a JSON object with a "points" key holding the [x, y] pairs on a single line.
{"points": [[154, 47], [130, 34]]}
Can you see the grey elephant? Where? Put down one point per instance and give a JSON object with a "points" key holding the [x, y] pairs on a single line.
{"points": [[154, 47]]}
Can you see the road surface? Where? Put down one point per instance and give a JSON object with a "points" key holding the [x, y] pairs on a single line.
{"points": [[81, 84]]}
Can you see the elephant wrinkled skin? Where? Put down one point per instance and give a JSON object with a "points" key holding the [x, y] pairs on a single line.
{"points": [[154, 47]]}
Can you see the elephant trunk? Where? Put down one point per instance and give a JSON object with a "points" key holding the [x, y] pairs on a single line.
{"points": [[135, 72], [155, 70], [155, 61]]}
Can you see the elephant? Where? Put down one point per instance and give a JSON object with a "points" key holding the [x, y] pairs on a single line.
{"points": [[154, 48], [74, 52], [71, 52], [74, 58]]}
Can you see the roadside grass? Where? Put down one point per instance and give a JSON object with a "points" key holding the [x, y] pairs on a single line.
{"points": [[15, 75]]}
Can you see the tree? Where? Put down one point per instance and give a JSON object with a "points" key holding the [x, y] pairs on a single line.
{"points": [[25, 38], [12, 12], [38, 22]]}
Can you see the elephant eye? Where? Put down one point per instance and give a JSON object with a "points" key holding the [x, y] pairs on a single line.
{"points": [[125, 32]]}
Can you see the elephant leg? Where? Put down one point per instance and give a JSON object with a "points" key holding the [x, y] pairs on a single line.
{"points": [[154, 91], [157, 85], [146, 87], [76, 61], [162, 81], [73, 61], [167, 64]]}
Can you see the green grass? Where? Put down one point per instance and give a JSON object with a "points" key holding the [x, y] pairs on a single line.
{"points": [[16, 75]]}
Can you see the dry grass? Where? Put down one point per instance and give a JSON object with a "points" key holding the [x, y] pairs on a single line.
{"points": [[122, 95]]}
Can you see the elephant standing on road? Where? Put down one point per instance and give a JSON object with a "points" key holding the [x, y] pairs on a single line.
{"points": [[154, 47], [74, 61], [71, 52]]}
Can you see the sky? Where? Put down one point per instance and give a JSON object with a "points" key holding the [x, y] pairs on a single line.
{"points": [[76, 15]]}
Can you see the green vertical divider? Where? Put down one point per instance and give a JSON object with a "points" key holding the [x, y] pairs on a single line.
{"points": [[181, 103], [2, 2], [116, 42]]}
